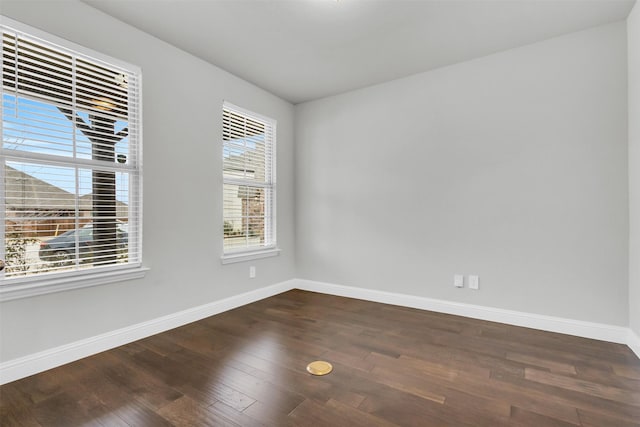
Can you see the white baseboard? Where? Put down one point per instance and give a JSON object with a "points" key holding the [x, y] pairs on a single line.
{"points": [[599, 331], [32, 364], [633, 341], [48, 359]]}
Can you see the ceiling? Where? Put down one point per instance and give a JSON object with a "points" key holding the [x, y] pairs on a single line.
{"points": [[302, 50]]}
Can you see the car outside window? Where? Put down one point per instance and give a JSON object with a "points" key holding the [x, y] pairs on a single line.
{"points": [[70, 156]]}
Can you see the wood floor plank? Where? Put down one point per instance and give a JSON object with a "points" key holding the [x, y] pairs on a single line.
{"points": [[404, 410], [445, 371], [147, 387], [569, 398], [592, 419], [18, 416], [134, 407], [236, 416], [68, 409], [294, 381], [588, 387], [607, 378], [393, 366], [333, 413], [12, 397], [489, 406], [347, 397], [523, 417], [272, 413], [557, 367], [187, 412], [631, 371], [477, 383], [406, 384]]}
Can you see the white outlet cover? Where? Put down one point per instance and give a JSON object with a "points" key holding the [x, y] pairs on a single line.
{"points": [[474, 282], [458, 281]]}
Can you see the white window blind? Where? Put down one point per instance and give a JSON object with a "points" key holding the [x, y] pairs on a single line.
{"points": [[70, 160], [248, 141]]}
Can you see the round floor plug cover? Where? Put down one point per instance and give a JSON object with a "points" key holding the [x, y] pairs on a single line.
{"points": [[319, 367]]}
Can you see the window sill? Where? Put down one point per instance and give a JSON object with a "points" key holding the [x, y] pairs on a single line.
{"points": [[248, 256], [33, 287]]}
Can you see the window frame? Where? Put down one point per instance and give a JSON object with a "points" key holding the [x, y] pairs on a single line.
{"points": [[38, 284], [253, 252]]}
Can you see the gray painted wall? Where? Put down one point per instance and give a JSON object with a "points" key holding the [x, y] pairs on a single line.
{"points": [[512, 166], [182, 103], [633, 29]]}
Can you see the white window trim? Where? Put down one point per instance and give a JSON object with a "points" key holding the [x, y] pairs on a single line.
{"points": [[17, 288], [42, 286], [241, 255], [231, 258]]}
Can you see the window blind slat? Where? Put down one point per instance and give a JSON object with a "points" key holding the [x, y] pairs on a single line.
{"points": [[70, 159], [248, 174]]}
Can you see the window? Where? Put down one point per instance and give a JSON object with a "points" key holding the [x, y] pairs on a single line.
{"points": [[248, 141], [70, 163]]}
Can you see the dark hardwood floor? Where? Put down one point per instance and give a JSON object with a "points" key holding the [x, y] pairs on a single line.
{"points": [[393, 366]]}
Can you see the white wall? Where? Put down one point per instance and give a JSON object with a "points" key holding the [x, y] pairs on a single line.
{"points": [[633, 30], [511, 166], [182, 189]]}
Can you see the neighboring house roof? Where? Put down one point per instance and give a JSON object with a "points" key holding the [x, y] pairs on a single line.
{"points": [[24, 192], [86, 204]]}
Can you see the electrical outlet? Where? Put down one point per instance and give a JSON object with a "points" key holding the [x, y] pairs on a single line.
{"points": [[252, 272], [458, 281], [474, 282]]}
